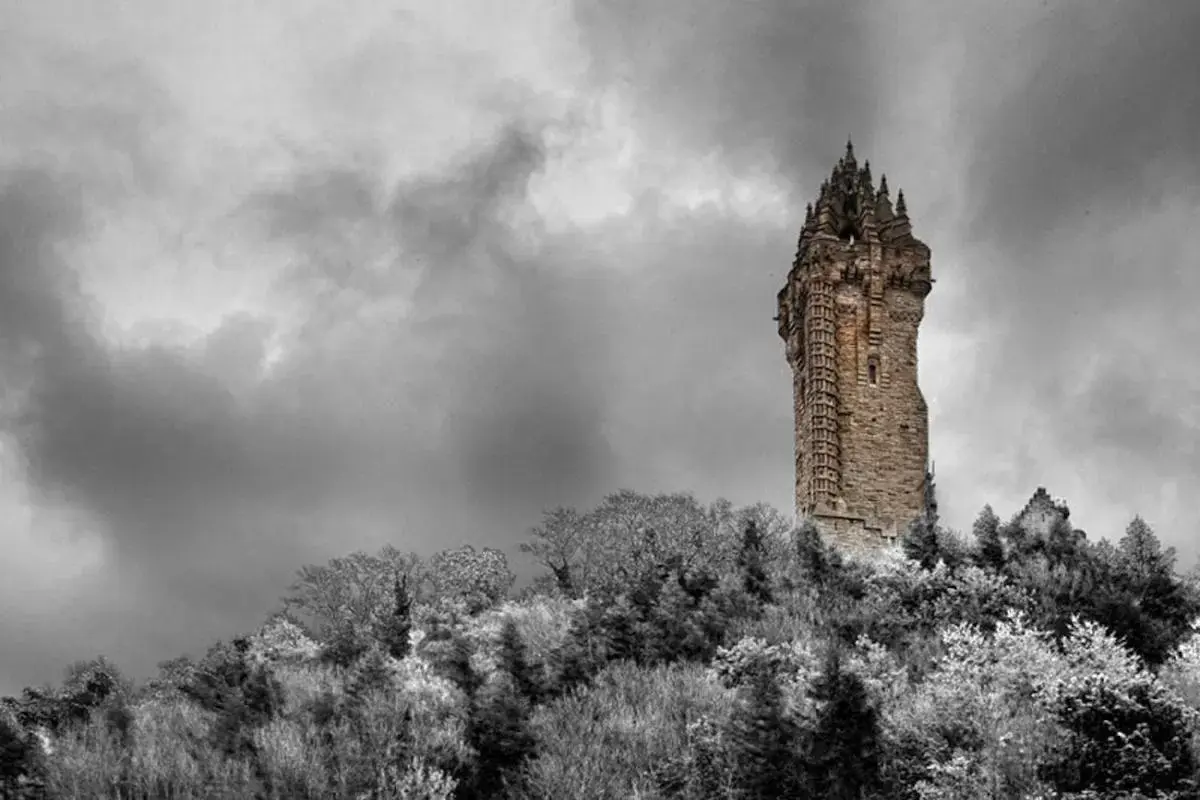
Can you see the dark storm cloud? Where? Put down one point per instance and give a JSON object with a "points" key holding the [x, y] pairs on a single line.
{"points": [[37, 211], [776, 84], [520, 378], [483, 367], [704, 394], [210, 498], [1101, 119], [147, 438], [1080, 178]]}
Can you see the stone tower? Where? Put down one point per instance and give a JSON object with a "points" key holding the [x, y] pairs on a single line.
{"points": [[849, 317]]}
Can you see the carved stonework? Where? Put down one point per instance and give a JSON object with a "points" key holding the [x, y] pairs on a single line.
{"points": [[849, 315], [906, 317]]}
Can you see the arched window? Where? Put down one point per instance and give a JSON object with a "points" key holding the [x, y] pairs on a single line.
{"points": [[873, 372]]}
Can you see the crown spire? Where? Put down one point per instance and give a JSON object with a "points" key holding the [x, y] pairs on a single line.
{"points": [[883, 203], [865, 185], [851, 208]]}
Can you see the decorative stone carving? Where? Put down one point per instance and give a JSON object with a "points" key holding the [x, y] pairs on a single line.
{"points": [[856, 292]]}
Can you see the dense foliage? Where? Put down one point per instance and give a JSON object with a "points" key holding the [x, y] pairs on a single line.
{"points": [[670, 650]]}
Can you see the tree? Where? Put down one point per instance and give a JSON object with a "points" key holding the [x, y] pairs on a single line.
{"points": [[370, 677], [1123, 740], [614, 542], [557, 544], [816, 561], [344, 646], [16, 756], [350, 592], [1138, 595], [920, 543], [498, 726], [514, 659], [750, 561], [482, 579], [455, 666], [241, 695], [395, 628], [765, 742], [1141, 555], [843, 751], [576, 660], [989, 550], [498, 730]]}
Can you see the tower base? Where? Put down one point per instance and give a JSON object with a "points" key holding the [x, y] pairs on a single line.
{"points": [[854, 533]]}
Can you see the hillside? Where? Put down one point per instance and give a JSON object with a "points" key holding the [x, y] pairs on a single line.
{"points": [[669, 650]]}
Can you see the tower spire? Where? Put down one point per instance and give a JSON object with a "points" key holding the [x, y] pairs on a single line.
{"points": [[883, 204], [901, 227], [848, 162]]}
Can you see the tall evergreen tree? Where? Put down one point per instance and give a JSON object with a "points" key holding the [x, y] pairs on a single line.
{"points": [[1142, 600], [1141, 555], [498, 731], [514, 659], [396, 627], [369, 677], [750, 562], [574, 662], [766, 742], [843, 752], [455, 666], [920, 543], [817, 562], [15, 757], [989, 549]]}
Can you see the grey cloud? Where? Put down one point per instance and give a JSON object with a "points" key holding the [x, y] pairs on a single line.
{"points": [[36, 212], [773, 85], [1102, 118], [211, 497], [523, 355], [540, 369], [1081, 172], [705, 388], [91, 115]]}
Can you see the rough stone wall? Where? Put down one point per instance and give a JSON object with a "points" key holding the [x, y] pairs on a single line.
{"points": [[884, 424], [1042, 512], [849, 316], [882, 418]]}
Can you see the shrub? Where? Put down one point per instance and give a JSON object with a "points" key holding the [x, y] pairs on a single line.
{"points": [[480, 579], [1122, 739], [739, 665], [610, 739]]}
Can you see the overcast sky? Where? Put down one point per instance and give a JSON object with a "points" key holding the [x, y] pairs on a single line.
{"points": [[285, 279]]}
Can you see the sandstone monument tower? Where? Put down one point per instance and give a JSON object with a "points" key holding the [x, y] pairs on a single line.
{"points": [[849, 317]]}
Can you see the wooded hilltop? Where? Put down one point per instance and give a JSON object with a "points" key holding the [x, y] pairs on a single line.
{"points": [[669, 649]]}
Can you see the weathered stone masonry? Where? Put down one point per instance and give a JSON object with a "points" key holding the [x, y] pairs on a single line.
{"points": [[849, 317]]}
